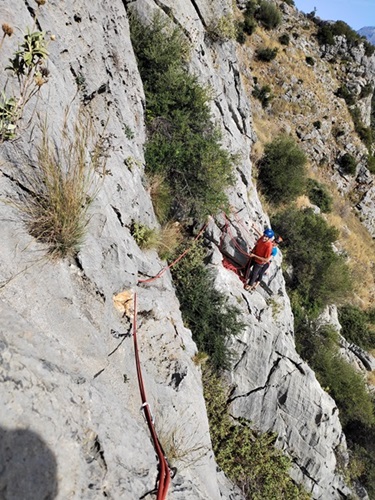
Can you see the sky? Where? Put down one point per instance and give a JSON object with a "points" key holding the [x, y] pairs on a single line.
{"points": [[356, 13]]}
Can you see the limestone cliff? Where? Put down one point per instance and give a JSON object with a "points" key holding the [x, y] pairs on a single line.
{"points": [[70, 410]]}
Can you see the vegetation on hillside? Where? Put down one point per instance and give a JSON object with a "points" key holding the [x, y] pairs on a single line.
{"points": [[181, 145], [184, 146]]}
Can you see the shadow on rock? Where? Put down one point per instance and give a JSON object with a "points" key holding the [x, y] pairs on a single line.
{"points": [[28, 468]]}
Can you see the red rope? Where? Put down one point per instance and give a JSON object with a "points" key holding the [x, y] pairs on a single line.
{"points": [[233, 239], [164, 473], [164, 479]]}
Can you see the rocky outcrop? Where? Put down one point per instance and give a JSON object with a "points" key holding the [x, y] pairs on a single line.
{"points": [[68, 376]]}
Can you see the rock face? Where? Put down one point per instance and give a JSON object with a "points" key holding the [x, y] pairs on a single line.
{"points": [[69, 388]]}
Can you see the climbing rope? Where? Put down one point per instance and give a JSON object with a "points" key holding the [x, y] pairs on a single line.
{"points": [[164, 472], [164, 478]]}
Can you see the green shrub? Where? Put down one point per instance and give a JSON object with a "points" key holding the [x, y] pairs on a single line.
{"points": [[345, 94], [325, 35], [369, 48], [361, 439], [348, 164], [284, 39], [371, 163], [319, 195], [241, 35], [205, 310], [282, 170], [310, 61], [317, 124], [249, 25], [248, 458], [320, 276], [319, 346], [264, 94], [268, 15], [346, 386], [364, 133], [222, 29], [290, 2], [184, 146], [366, 90], [327, 31], [356, 326], [144, 236], [266, 54]]}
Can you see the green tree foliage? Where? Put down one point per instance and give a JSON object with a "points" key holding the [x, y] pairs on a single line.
{"points": [[205, 310], [361, 439], [357, 326], [348, 164], [282, 170], [248, 458], [183, 145], [346, 386], [284, 39], [319, 346], [268, 14], [264, 94], [266, 54], [320, 276], [345, 94], [319, 195], [327, 32]]}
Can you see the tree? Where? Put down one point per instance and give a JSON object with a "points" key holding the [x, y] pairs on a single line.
{"points": [[282, 170]]}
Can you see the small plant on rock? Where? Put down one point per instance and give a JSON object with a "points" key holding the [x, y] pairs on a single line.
{"points": [[223, 29], [145, 237], [62, 187], [28, 67]]}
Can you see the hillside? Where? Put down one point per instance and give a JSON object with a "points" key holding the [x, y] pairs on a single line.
{"points": [[368, 32]]}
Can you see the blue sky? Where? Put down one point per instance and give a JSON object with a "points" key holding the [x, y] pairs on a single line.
{"points": [[356, 13]]}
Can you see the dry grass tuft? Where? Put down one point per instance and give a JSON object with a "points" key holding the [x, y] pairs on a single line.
{"points": [[160, 196], [170, 237], [63, 185], [180, 448]]}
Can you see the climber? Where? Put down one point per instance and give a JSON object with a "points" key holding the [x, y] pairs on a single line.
{"points": [[259, 256], [275, 245]]}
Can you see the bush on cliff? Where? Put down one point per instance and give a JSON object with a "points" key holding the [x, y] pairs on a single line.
{"points": [[184, 146], [320, 276], [319, 346], [248, 458], [319, 195], [358, 326], [205, 309], [282, 170]]}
